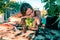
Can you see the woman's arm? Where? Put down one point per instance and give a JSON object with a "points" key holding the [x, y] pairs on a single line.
{"points": [[15, 18], [18, 15]]}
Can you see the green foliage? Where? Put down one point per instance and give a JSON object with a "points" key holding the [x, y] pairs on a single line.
{"points": [[52, 7], [44, 0], [1, 6], [5, 4], [52, 10], [13, 5], [58, 2]]}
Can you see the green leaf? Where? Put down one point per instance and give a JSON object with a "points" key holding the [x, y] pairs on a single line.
{"points": [[58, 2], [44, 0]]}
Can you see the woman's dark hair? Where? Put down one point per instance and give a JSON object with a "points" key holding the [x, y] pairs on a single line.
{"points": [[24, 8]]}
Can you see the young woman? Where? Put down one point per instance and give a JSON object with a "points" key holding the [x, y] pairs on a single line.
{"points": [[26, 12], [25, 9]]}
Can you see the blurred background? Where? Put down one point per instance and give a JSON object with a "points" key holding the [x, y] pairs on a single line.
{"points": [[10, 7], [49, 10]]}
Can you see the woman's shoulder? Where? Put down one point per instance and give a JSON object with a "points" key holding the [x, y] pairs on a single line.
{"points": [[17, 15]]}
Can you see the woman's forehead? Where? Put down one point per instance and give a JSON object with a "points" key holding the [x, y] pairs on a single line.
{"points": [[29, 9]]}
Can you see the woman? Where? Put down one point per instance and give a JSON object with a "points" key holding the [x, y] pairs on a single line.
{"points": [[25, 9], [26, 12]]}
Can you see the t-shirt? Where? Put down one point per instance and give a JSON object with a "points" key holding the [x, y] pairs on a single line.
{"points": [[43, 20]]}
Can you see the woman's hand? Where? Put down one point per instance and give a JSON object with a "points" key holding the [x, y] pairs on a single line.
{"points": [[34, 27]]}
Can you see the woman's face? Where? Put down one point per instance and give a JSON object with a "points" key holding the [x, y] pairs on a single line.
{"points": [[29, 12], [32, 14]]}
